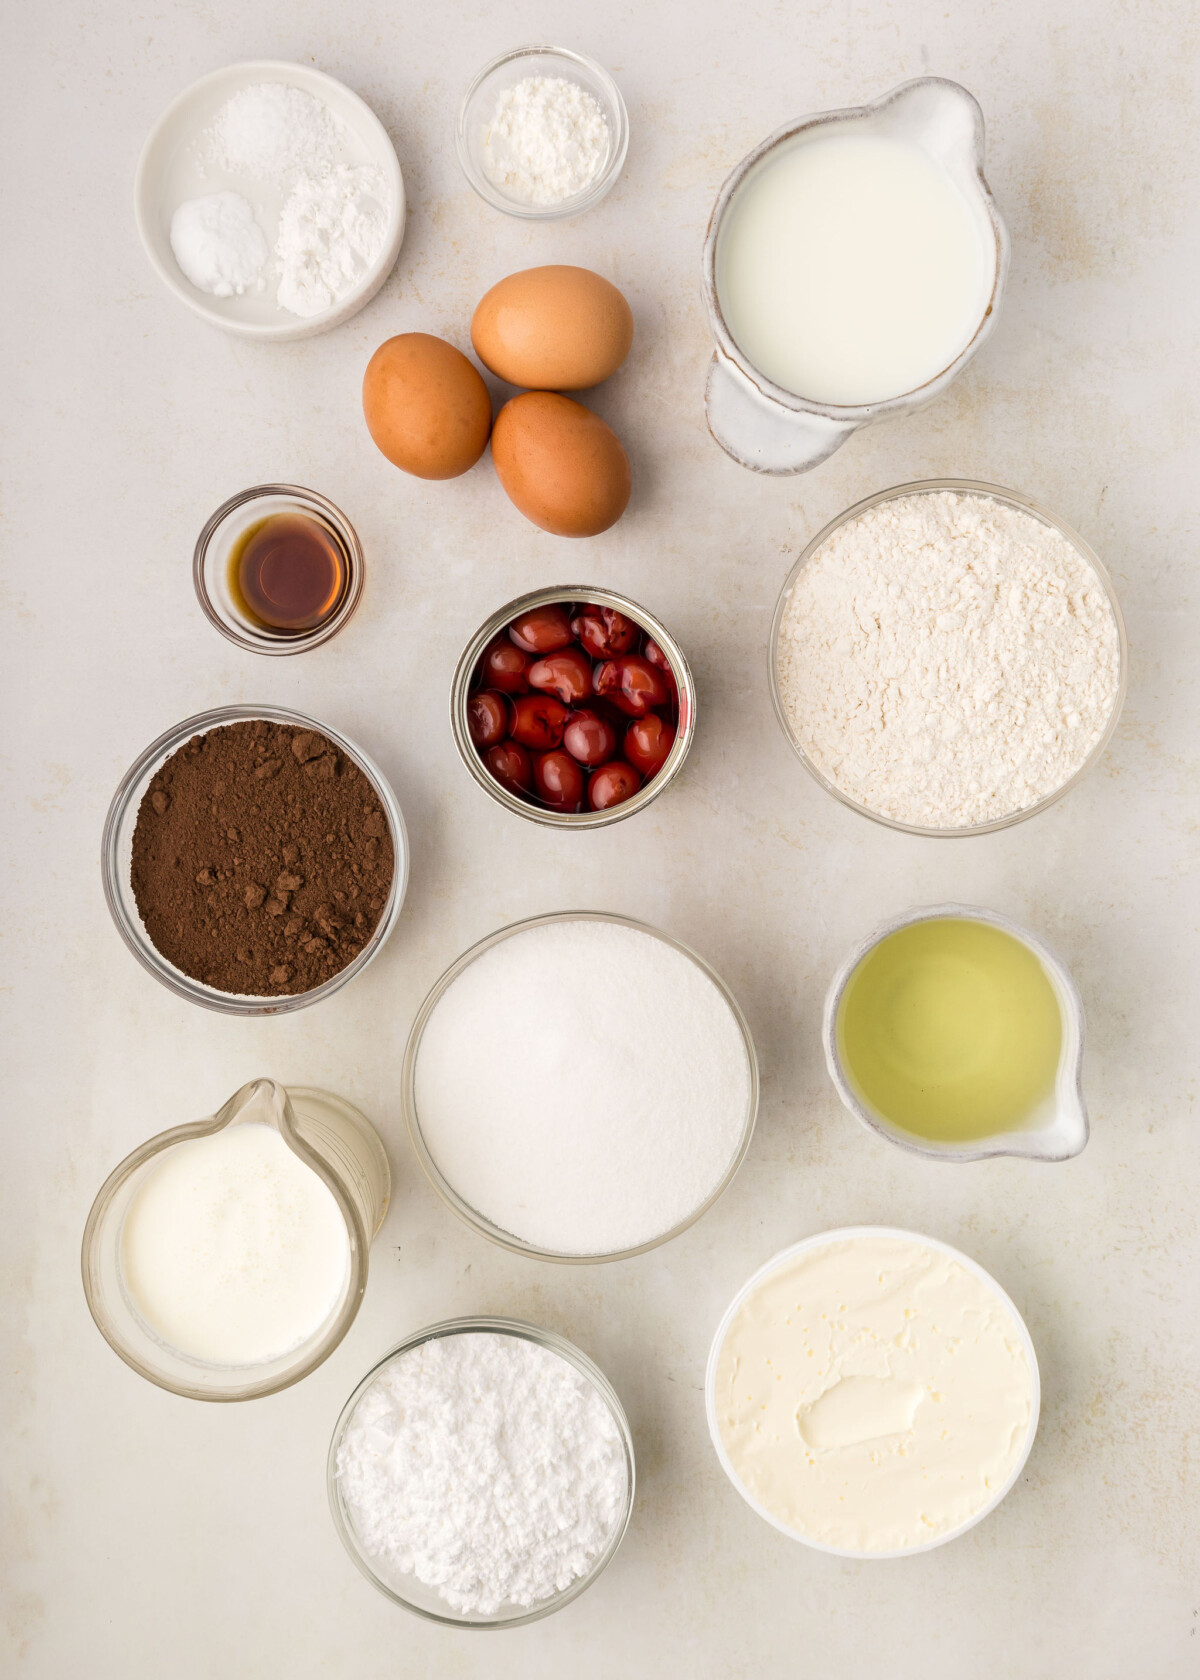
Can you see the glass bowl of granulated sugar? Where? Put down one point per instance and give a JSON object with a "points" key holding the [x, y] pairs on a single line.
{"points": [[580, 1087], [542, 132], [948, 658]]}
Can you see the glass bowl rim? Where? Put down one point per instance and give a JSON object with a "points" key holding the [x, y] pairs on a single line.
{"points": [[262, 642], [852, 1233], [597, 189], [478, 1324], [495, 623], [133, 932], [1024, 504], [459, 1205]]}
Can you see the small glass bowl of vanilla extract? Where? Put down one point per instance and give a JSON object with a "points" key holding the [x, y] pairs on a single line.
{"points": [[278, 569]]}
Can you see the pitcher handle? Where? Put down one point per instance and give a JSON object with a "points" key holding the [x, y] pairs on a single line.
{"points": [[760, 434]]}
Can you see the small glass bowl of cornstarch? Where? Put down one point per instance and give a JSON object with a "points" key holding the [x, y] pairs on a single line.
{"points": [[482, 1474], [948, 658], [542, 132]]}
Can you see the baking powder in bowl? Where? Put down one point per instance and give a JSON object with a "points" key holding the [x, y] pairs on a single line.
{"points": [[947, 659], [486, 1466], [872, 1394], [584, 1086]]}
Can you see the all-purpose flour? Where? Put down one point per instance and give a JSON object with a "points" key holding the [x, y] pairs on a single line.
{"points": [[486, 1466], [947, 660]]}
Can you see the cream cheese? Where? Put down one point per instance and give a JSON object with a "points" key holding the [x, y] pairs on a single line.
{"points": [[872, 1394]]}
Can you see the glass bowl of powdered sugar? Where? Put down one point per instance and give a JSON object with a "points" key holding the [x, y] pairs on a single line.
{"points": [[948, 658], [542, 132], [481, 1475]]}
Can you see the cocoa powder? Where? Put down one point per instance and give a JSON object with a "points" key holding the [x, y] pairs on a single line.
{"points": [[262, 859]]}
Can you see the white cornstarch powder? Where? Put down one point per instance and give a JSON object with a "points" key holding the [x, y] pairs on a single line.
{"points": [[331, 229], [268, 129], [947, 660], [485, 1465], [583, 1085], [547, 140]]}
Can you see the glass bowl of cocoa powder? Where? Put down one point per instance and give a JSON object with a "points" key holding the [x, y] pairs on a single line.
{"points": [[254, 860]]}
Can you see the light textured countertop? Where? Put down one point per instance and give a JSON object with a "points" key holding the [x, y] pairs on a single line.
{"points": [[148, 1538]]}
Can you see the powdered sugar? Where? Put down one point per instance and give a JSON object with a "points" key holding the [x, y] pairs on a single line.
{"points": [[583, 1085], [946, 659], [547, 140], [486, 1466]]}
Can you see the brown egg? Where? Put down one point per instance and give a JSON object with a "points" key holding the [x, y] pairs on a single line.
{"points": [[560, 464], [553, 329], [426, 407]]}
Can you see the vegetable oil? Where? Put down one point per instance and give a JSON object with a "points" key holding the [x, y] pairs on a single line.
{"points": [[950, 1029]]}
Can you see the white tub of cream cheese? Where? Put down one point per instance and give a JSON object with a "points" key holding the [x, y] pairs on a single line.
{"points": [[872, 1392]]}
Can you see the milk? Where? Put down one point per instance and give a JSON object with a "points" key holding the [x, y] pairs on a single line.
{"points": [[233, 1251], [851, 268]]}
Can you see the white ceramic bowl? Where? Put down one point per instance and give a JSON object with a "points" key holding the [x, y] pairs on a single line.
{"points": [[169, 172], [845, 1234]]}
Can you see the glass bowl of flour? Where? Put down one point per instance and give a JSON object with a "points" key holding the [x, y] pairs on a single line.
{"points": [[542, 132], [481, 1475], [948, 658]]}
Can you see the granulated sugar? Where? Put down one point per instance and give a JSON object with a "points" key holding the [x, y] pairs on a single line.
{"points": [[946, 659], [485, 1465], [584, 1086], [270, 128]]}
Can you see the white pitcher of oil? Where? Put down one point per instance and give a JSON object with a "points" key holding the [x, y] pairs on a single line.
{"points": [[958, 1034]]}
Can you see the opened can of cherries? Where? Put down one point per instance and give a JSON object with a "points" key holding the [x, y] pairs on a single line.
{"points": [[573, 706]]}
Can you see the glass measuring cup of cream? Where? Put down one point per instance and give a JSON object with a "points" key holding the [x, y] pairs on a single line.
{"points": [[853, 264], [226, 1259]]}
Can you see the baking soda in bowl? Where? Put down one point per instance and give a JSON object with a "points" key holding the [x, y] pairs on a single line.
{"points": [[584, 1085]]}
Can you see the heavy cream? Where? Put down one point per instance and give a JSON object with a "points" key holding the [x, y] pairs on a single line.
{"points": [[233, 1250], [872, 1394], [851, 268]]}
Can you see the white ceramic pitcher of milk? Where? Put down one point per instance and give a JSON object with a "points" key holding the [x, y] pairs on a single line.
{"points": [[757, 420]]}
